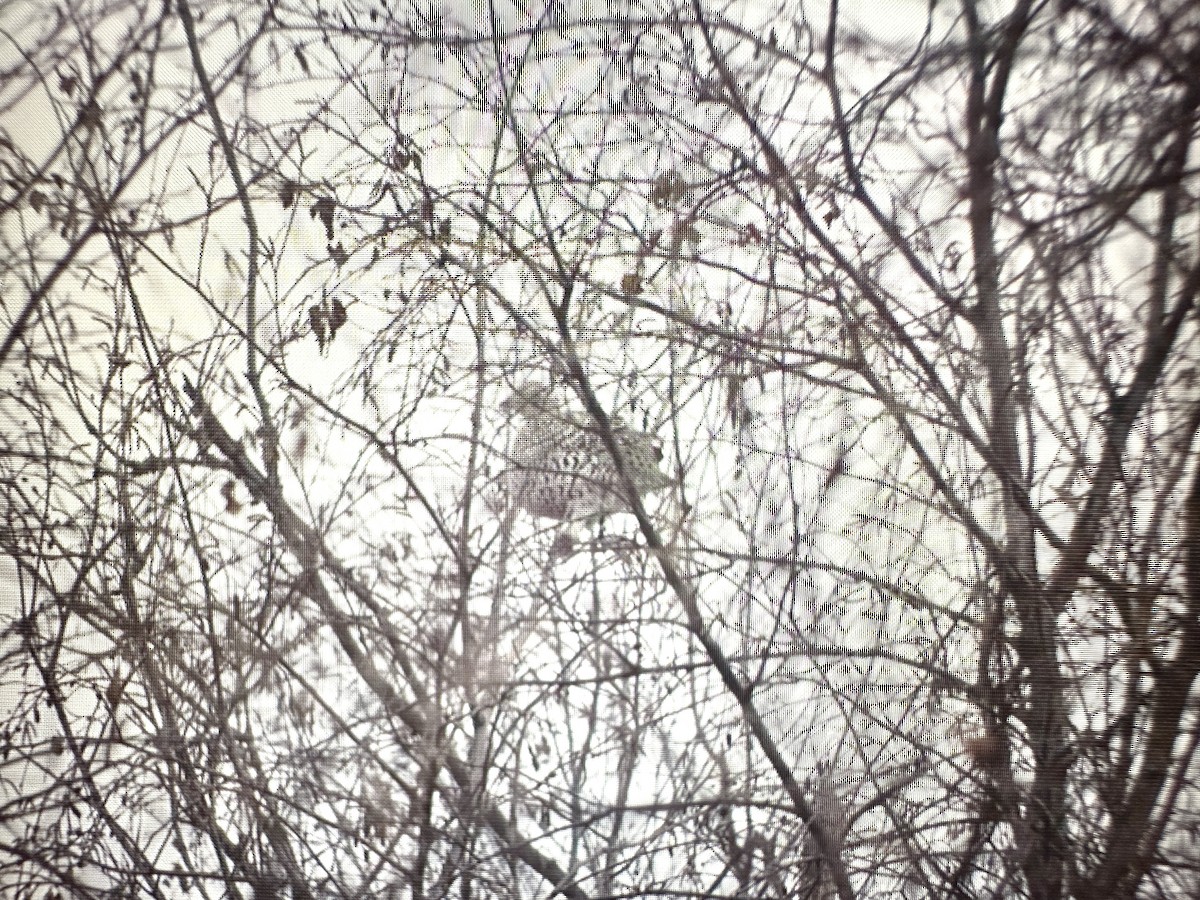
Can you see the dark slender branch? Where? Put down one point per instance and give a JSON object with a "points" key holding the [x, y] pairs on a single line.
{"points": [[685, 593], [270, 433], [309, 550]]}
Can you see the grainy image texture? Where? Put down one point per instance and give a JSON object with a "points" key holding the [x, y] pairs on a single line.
{"points": [[599, 449]]}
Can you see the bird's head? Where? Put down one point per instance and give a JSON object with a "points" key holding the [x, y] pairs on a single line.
{"points": [[528, 399]]}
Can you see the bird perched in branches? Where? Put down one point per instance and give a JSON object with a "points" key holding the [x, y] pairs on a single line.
{"points": [[560, 467]]}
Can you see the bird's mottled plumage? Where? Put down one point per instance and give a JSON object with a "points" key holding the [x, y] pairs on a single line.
{"points": [[560, 468]]}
